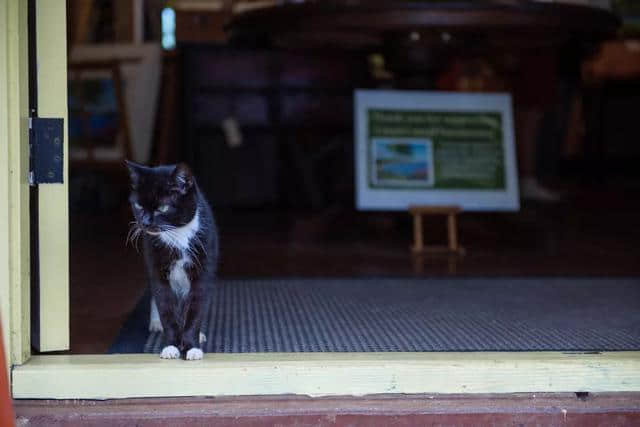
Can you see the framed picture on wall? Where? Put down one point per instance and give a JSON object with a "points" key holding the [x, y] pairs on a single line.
{"points": [[434, 148]]}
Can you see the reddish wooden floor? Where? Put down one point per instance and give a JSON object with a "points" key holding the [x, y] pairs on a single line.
{"points": [[603, 410], [593, 232]]}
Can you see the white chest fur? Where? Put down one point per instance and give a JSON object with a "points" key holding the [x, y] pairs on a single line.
{"points": [[178, 278], [181, 239]]}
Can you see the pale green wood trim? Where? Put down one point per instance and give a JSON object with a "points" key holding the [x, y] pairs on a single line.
{"points": [[53, 225], [14, 187], [323, 374], [5, 218]]}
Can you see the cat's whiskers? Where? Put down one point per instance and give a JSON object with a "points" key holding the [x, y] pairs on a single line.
{"points": [[194, 256], [136, 237], [198, 241], [129, 233], [191, 251], [133, 235]]}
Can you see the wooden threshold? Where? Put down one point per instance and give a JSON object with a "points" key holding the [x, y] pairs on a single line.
{"points": [[324, 374]]}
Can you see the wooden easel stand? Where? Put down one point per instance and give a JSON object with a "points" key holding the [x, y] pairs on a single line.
{"points": [[452, 229]]}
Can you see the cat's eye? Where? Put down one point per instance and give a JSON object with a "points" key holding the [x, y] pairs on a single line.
{"points": [[163, 209], [137, 205]]}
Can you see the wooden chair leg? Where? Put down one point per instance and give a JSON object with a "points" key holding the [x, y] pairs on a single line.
{"points": [[418, 244], [451, 213], [452, 232]]}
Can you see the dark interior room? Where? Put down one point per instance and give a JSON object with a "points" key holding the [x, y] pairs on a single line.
{"points": [[258, 100]]}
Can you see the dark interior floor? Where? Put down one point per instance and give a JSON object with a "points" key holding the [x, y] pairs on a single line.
{"points": [[593, 232]]}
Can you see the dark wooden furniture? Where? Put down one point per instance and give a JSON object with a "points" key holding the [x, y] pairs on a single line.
{"points": [[294, 112], [532, 49], [121, 146], [612, 86], [288, 74], [374, 23], [201, 26], [97, 177]]}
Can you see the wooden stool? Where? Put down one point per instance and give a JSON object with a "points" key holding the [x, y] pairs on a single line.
{"points": [[452, 228]]}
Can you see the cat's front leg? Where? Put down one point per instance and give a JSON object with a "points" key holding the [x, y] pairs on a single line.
{"points": [[191, 336], [165, 302], [155, 324]]}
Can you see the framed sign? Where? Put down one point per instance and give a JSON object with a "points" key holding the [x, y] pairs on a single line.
{"points": [[434, 148]]}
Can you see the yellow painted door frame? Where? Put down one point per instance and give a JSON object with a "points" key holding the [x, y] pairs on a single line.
{"points": [[53, 225], [53, 199], [14, 185]]}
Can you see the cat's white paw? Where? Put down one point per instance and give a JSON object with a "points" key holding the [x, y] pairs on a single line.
{"points": [[155, 325], [170, 352], [194, 354], [202, 338]]}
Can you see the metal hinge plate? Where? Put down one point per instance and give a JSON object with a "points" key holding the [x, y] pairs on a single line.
{"points": [[46, 140]]}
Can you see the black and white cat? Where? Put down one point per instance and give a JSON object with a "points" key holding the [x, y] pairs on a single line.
{"points": [[180, 248]]}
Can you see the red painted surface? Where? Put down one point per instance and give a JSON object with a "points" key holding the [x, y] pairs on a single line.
{"points": [[497, 410], [6, 408]]}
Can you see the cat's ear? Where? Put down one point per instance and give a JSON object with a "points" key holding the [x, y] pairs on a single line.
{"points": [[182, 178], [134, 172]]}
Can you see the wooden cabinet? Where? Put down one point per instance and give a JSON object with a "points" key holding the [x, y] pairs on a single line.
{"points": [[294, 111], [201, 26]]}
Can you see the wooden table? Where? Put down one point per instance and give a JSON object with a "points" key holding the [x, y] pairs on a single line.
{"points": [[374, 23]]}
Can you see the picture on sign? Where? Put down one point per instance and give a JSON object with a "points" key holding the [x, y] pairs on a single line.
{"points": [[401, 162], [434, 148]]}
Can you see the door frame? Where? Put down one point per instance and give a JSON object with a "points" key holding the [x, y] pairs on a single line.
{"points": [[15, 269], [52, 229]]}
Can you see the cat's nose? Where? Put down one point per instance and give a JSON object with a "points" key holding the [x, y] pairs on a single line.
{"points": [[146, 220]]}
